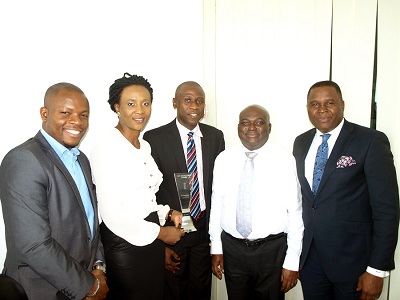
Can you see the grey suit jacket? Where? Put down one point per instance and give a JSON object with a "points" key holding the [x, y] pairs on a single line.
{"points": [[49, 249]]}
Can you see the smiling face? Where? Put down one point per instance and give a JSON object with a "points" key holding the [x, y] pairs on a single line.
{"points": [[134, 109], [189, 102], [65, 117], [254, 127], [325, 108]]}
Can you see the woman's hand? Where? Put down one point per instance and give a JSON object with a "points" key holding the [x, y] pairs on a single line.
{"points": [[176, 218]]}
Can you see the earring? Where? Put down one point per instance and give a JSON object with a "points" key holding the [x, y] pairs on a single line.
{"points": [[119, 114]]}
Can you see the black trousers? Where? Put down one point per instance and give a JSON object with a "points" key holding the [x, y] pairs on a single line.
{"points": [[253, 271], [133, 272], [193, 280]]}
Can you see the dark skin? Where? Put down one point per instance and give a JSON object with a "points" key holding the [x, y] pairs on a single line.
{"points": [[325, 109], [253, 129], [65, 117], [134, 110], [189, 102]]}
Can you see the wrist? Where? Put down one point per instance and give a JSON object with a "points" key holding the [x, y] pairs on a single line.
{"points": [[169, 215], [96, 289], [100, 266]]}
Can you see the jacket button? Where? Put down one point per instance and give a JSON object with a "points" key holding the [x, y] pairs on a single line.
{"points": [[314, 207]]}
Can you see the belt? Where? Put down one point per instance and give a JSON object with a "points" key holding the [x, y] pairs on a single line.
{"points": [[256, 242]]}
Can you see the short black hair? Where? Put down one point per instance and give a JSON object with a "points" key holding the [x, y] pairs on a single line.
{"points": [[119, 84], [326, 83], [61, 86]]}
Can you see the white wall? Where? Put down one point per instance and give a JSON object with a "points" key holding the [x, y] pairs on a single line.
{"points": [[242, 52], [90, 44]]}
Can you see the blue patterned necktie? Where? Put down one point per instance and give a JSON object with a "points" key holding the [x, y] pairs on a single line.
{"points": [[195, 209], [320, 161], [243, 208]]}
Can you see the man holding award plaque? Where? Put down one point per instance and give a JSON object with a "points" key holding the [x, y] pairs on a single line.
{"points": [[184, 151], [256, 225]]}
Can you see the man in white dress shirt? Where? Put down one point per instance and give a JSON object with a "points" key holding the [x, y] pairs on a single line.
{"points": [[263, 262]]}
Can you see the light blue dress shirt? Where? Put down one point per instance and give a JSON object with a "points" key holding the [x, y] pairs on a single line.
{"points": [[70, 160]]}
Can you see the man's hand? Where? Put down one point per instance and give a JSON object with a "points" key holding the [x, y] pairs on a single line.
{"points": [[170, 234], [370, 286], [171, 260], [217, 265], [176, 218], [103, 290], [288, 279]]}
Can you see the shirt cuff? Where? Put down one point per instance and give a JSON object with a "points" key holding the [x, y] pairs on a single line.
{"points": [[162, 212], [216, 247], [378, 273]]}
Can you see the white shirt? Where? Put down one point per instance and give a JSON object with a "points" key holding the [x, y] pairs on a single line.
{"points": [[197, 135], [309, 170], [312, 152], [276, 203], [127, 180]]}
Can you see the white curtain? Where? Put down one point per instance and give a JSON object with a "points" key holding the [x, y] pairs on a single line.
{"points": [[388, 97], [271, 52]]}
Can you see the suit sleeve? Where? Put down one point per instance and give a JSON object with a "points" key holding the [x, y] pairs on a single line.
{"points": [[221, 146], [23, 192], [384, 200]]}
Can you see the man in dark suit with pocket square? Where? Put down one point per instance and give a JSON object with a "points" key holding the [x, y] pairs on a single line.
{"points": [[351, 212]]}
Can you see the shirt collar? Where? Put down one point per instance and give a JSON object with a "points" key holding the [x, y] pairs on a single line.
{"points": [[334, 133], [243, 149], [183, 131], [57, 147]]}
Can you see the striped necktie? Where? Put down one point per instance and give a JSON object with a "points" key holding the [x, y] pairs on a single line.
{"points": [[195, 209]]}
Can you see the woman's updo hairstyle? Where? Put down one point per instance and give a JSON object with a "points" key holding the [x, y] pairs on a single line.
{"points": [[121, 83]]}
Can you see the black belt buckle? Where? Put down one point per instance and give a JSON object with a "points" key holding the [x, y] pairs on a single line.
{"points": [[251, 243]]}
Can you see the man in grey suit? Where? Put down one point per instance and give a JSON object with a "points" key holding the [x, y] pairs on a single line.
{"points": [[50, 207]]}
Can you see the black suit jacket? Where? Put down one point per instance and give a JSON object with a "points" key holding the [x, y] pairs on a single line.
{"points": [[354, 217], [47, 232], [168, 153]]}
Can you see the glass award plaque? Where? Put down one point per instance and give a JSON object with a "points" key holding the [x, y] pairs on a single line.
{"points": [[182, 181]]}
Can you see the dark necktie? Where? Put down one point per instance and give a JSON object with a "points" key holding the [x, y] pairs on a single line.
{"points": [[195, 209], [243, 208], [320, 161]]}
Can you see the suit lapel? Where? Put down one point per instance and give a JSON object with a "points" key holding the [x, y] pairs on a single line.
{"points": [[305, 147], [205, 144], [176, 147], [52, 155], [88, 179], [341, 144]]}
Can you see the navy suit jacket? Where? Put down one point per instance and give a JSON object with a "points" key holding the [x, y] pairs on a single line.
{"points": [[49, 250], [354, 217], [168, 153]]}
